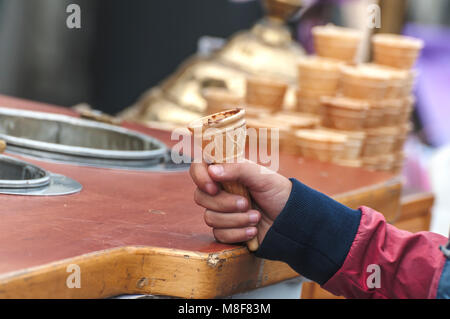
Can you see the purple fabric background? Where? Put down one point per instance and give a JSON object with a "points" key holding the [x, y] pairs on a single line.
{"points": [[433, 84]]}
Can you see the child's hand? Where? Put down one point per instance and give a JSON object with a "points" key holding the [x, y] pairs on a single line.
{"points": [[231, 216]]}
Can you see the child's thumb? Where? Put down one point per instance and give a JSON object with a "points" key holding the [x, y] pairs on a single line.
{"points": [[247, 173]]}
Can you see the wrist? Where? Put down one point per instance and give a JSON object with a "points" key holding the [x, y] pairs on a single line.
{"points": [[313, 233]]}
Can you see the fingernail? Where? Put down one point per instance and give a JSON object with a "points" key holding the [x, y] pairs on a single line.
{"points": [[241, 204], [216, 170], [253, 217], [250, 232], [210, 188]]}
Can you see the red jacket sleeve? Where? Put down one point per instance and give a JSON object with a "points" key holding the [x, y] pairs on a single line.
{"points": [[386, 262]]}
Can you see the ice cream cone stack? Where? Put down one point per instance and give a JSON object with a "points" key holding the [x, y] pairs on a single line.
{"points": [[369, 103], [222, 137], [317, 77]]}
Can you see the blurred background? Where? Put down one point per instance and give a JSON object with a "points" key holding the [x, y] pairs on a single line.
{"points": [[122, 49], [125, 48]]}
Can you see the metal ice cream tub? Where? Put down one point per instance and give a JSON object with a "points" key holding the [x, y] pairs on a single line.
{"points": [[68, 139]]}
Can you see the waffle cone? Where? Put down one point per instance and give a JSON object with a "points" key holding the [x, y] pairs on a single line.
{"points": [[364, 82], [396, 50], [322, 145], [336, 42], [239, 189], [223, 137]]}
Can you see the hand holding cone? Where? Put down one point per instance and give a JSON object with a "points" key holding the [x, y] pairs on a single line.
{"points": [[222, 138]]}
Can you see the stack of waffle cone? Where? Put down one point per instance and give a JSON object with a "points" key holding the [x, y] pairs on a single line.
{"points": [[317, 77], [371, 105], [371, 100], [222, 138]]}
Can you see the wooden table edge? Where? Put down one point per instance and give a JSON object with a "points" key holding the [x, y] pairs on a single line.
{"points": [[162, 271]]}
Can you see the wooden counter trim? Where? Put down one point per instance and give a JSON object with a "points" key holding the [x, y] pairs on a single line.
{"points": [[145, 270], [416, 205]]}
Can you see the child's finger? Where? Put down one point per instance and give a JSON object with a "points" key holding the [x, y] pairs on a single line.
{"points": [[200, 176], [247, 173], [233, 220], [234, 235], [221, 202]]}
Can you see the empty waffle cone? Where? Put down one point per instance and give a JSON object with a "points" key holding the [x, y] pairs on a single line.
{"points": [[364, 82], [222, 138], [395, 50], [400, 83], [322, 145], [336, 42]]}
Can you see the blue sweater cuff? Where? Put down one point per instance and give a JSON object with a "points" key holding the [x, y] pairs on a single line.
{"points": [[312, 234]]}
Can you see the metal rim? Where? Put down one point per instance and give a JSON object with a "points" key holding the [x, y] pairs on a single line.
{"points": [[43, 180], [76, 154]]}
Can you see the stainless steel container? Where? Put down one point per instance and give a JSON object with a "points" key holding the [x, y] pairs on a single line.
{"points": [[73, 140]]}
